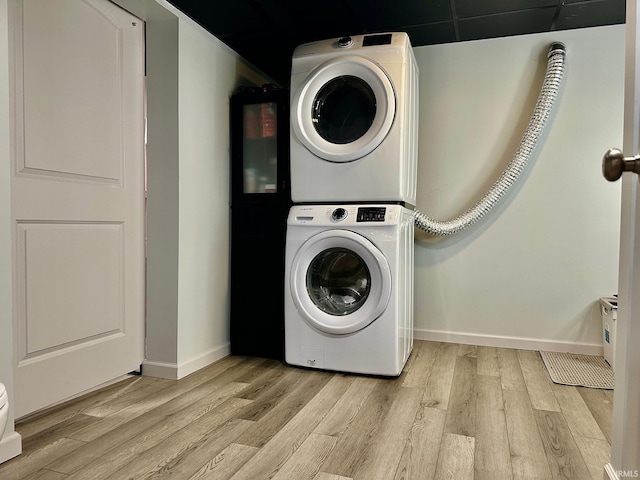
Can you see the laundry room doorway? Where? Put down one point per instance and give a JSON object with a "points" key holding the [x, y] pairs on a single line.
{"points": [[77, 192]]}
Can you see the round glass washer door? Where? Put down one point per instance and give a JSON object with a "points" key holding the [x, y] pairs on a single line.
{"points": [[340, 282], [344, 109]]}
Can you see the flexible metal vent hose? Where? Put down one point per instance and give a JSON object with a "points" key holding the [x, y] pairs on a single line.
{"points": [[546, 99]]}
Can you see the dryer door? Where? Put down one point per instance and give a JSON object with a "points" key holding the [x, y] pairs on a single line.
{"points": [[340, 282], [344, 109]]}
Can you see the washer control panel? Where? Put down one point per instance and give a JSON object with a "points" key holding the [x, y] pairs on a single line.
{"points": [[346, 216]]}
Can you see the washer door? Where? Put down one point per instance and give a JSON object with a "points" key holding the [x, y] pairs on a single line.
{"points": [[340, 282], [344, 109]]}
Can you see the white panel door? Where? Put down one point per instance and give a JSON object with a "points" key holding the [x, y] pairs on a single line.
{"points": [[77, 198], [625, 441]]}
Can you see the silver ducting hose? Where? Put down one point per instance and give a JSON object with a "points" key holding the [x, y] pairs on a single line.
{"points": [[546, 99]]}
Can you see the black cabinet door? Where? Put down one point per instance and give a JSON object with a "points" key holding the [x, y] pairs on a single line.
{"points": [[260, 202]]}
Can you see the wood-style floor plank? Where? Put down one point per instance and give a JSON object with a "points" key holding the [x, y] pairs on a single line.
{"points": [[595, 453], [488, 362], [224, 465], [420, 455], [537, 381], [565, 459], [159, 395], [33, 460], [468, 351], [510, 371], [46, 419], [270, 396], [305, 463], [576, 413], [456, 411], [330, 476], [125, 442], [300, 393], [151, 462], [345, 410], [350, 451], [420, 364], [386, 449], [269, 377], [528, 458], [461, 411], [46, 475], [184, 457], [456, 458], [438, 388], [64, 429], [492, 455], [279, 449], [600, 405]]}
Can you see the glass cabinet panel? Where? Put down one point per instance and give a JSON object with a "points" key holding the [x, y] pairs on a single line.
{"points": [[259, 145]]}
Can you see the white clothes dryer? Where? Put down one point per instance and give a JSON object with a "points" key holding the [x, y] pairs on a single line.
{"points": [[349, 288], [354, 120]]}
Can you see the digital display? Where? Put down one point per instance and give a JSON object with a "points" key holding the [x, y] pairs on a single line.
{"points": [[370, 40], [371, 214]]}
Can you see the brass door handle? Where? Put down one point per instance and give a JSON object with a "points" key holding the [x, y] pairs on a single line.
{"points": [[614, 163]]}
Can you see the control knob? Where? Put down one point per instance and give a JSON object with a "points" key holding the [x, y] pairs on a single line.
{"points": [[339, 214], [345, 42]]}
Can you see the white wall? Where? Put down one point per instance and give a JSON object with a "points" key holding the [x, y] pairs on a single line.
{"points": [[209, 73], [534, 268], [191, 76], [162, 194]]}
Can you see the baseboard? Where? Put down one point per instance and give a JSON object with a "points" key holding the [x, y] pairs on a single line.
{"points": [[160, 370], [509, 342], [201, 361], [174, 371], [10, 446]]}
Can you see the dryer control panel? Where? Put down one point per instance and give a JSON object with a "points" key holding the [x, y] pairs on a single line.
{"points": [[394, 43]]}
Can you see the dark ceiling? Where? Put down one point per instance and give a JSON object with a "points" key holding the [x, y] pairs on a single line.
{"points": [[265, 32]]}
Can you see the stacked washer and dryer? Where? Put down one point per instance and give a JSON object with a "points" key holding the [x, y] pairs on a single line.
{"points": [[349, 241]]}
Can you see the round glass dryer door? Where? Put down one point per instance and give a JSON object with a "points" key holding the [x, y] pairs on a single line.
{"points": [[340, 282], [344, 109]]}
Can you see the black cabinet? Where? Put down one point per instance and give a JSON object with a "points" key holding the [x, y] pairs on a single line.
{"points": [[260, 202]]}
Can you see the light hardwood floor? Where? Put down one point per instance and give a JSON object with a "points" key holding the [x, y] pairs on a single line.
{"points": [[457, 412]]}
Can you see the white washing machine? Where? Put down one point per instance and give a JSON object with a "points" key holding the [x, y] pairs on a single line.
{"points": [[354, 120], [349, 288]]}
